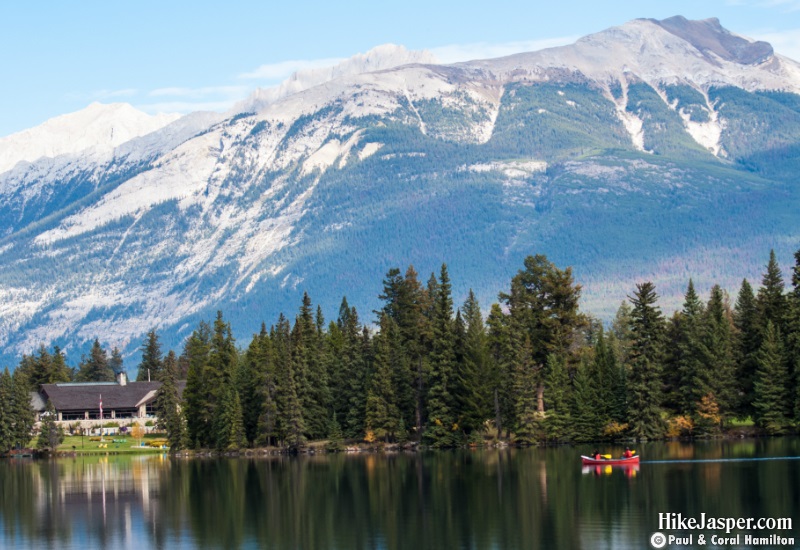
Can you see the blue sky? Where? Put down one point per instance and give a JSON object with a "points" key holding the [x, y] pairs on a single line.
{"points": [[183, 56]]}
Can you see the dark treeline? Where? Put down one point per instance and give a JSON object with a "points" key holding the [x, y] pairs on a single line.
{"points": [[535, 369]]}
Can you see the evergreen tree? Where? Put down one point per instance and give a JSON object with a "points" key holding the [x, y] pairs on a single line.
{"points": [[771, 302], [335, 437], [501, 356], [525, 402], [95, 368], [621, 331], [168, 404], [382, 416], [645, 357], [416, 334], [440, 426], [115, 362], [793, 336], [50, 434], [721, 355], [43, 368], [747, 343], [603, 377], [475, 396], [7, 440], [291, 424], [619, 411], [312, 377], [197, 394], [220, 375], [693, 360], [22, 416], [544, 304], [557, 419], [150, 367], [228, 423], [770, 386], [587, 422]]}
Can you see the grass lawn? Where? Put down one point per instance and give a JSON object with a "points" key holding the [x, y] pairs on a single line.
{"points": [[123, 445], [747, 422]]}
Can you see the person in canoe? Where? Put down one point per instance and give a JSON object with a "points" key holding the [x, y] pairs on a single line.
{"points": [[596, 455], [628, 453]]}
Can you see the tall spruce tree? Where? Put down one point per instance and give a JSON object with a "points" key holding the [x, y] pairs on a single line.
{"points": [[312, 377], [746, 344], [43, 368], [382, 414], [645, 358], [150, 366], [21, 410], [7, 440], [557, 419], [524, 377], [94, 368], [587, 409], [439, 430], [197, 394], [693, 359], [51, 435], [168, 404], [501, 357], [291, 424], [115, 362], [793, 326], [771, 383], [793, 336], [721, 354], [771, 302], [220, 375], [475, 398]]}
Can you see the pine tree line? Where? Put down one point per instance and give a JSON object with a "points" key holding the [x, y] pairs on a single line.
{"points": [[536, 369]]}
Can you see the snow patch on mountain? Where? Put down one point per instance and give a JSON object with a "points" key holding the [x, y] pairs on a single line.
{"points": [[706, 133], [182, 175], [369, 150], [511, 169], [99, 128], [632, 123]]}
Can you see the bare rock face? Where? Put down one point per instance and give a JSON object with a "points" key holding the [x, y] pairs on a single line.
{"points": [[710, 37]]}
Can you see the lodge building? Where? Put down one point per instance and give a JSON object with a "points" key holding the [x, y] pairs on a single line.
{"points": [[81, 401]]}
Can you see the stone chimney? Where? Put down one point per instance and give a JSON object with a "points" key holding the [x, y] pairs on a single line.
{"points": [[122, 378]]}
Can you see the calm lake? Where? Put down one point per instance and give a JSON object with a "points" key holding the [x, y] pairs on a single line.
{"points": [[509, 498]]}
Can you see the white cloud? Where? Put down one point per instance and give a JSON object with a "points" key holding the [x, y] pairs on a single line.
{"points": [[228, 91], [454, 53], [284, 69], [786, 6], [112, 94]]}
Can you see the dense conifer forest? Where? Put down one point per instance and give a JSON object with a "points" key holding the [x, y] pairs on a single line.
{"points": [[534, 370]]}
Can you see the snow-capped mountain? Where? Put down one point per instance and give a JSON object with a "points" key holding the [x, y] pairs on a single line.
{"points": [[379, 58], [658, 149], [96, 130]]}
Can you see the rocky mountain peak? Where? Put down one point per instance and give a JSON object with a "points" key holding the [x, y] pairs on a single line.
{"points": [[710, 37]]}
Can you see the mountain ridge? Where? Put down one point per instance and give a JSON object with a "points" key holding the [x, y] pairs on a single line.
{"points": [[575, 151]]}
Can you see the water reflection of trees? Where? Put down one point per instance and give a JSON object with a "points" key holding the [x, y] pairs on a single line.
{"points": [[479, 499]]}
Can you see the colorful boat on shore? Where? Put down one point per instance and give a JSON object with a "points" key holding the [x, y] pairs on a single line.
{"points": [[589, 461]]}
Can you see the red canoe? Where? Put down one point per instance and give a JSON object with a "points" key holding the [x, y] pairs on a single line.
{"points": [[587, 460]]}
